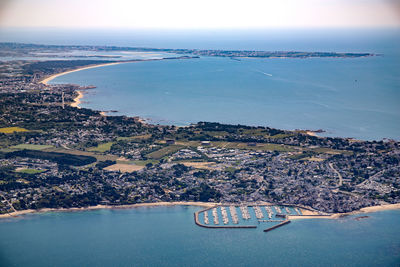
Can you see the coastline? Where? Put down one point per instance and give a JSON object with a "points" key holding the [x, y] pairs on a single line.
{"points": [[355, 212], [197, 204], [77, 100], [155, 204], [51, 77]]}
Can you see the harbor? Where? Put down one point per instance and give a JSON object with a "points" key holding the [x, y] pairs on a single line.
{"points": [[269, 217]]}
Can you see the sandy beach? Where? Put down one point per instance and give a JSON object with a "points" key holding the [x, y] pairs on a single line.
{"points": [[48, 79], [77, 99], [338, 215]]}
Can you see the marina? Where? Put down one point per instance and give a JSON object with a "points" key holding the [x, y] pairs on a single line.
{"points": [[275, 217]]}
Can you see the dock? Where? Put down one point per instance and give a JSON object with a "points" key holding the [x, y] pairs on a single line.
{"points": [[245, 212], [215, 215], [269, 211], [297, 211], [206, 221], [224, 215], [234, 215], [259, 214]]}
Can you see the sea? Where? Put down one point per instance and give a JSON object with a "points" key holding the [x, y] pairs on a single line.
{"points": [[168, 236], [346, 97]]}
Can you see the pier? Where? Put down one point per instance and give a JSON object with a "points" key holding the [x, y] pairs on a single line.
{"points": [[206, 221], [234, 215], [258, 212], [215, 215], [245, 212], [269, 211], [297, 211], [224, 215]]}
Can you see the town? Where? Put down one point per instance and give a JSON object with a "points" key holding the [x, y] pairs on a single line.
{"points": [[53, 155]]}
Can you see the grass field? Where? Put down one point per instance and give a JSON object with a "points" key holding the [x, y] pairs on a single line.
{"points": [[144, 162], [331, 151], [101, 147], [29, 171], [164, 151], [8, 130], [124, 167], [137, 137], [30, 147], [262, 132], [259, 146], [99, 157]]}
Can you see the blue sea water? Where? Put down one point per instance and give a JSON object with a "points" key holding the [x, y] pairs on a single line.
{"points": [[346, 97], [167, 236]]}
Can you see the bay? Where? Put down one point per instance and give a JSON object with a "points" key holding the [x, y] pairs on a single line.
{"points": [[356, 98]]}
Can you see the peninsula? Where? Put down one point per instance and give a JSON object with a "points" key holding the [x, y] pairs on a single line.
{"points": [[57, 156]]}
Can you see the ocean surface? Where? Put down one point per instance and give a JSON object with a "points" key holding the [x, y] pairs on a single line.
{"points": [[167, 236], [358, 97]]}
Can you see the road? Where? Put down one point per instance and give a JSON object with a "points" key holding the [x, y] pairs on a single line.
{"points": [[338, 174]]}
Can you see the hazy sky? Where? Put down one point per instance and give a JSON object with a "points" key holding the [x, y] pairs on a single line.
{"points": [[199, 13]]}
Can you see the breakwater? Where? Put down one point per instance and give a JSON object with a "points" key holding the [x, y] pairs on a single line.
{"points": [[277, 226]]}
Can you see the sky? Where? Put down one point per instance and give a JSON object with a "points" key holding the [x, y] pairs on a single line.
{"points": [[194, 14]]}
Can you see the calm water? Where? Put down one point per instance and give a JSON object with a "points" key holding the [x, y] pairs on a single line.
{"points": [[357, 98], [167, 236]]}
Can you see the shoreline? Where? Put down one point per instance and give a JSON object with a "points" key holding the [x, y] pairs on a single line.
{"points": [[77, 100], [198, 204], [355, 212], [97, 207], [51, 77]]}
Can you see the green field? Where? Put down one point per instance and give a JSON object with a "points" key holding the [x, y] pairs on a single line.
{"points": [[30, 147], [164, 151], [260, 146], [8, 130], [101, 147], [30, 171], [99, 157], [144, 162], [134, 138]]}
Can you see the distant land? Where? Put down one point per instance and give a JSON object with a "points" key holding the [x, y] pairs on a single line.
{"points": [[14, 49]]}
